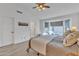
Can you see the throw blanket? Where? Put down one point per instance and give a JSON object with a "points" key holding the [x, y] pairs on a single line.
{"points": [[39, 43]]}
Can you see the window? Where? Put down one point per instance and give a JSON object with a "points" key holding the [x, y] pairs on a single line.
{"points": [[67, 25], [46, 28], [46, 24], [57, 27], [53, 28]]}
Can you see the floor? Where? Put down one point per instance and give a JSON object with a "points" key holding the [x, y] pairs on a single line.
{"points": [[16, 50]]}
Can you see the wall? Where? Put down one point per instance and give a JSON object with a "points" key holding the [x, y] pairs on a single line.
{"points": [[23, 33], [6, 29], [37, 27]]}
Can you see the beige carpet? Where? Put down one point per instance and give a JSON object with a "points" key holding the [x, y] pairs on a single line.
{"points": [[16, 50]]}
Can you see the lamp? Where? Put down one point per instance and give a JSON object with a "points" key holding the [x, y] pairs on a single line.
{"points": [[73, 29]]}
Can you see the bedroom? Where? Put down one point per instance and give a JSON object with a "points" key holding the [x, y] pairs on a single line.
{"points": [[20, 22]]}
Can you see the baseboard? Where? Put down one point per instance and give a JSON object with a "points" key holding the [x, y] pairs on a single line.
{"points": [[20, 42]]}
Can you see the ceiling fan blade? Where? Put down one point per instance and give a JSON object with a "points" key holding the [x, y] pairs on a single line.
{"points": [[34, 7], [41, 3], [47, 6], [41, 6]]}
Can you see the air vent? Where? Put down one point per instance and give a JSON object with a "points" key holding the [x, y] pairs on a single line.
{"points": [[20, 12]]}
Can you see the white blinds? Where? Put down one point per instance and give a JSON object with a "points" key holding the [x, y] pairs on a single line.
{"points": [[58, 23]]}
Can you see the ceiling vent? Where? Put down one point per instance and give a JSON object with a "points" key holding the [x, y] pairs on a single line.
{"points": [[20, 12]]}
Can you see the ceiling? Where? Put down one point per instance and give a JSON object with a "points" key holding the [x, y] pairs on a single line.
{"points": [[56, 9]]}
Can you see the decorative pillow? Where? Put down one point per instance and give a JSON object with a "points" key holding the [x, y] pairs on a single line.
{"points": [[71, 39], [78, 41]]}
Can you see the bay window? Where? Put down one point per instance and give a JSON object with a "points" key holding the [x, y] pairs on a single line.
{"points": [[56, 27]]}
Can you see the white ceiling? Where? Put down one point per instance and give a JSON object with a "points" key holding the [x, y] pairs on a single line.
{"points": [[56, 9]]}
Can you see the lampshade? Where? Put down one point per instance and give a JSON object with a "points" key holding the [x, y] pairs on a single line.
{"points": [[74, 28]]}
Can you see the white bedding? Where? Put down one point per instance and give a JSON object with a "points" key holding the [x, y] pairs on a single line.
{"points": [[39, 43]]}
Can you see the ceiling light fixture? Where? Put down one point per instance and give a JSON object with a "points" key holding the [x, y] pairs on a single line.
{"points": [[41, 6]]}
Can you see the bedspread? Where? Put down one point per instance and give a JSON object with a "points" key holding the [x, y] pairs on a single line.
{"points": [[39, 43]]}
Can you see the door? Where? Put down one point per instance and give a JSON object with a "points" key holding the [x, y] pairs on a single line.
{"points": [[1, 34], [7, 24]]}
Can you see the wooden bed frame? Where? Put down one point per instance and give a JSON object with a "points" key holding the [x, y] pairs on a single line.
{"points": [[29, 47], [72, 54]]}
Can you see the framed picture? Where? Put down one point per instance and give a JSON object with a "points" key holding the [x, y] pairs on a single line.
{"points": [[22, 24]]}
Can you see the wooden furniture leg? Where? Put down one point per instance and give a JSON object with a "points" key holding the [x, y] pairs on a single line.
{"points": [[38, 54], [29, 46]]}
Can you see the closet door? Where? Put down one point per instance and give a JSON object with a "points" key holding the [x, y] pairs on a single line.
{"points": [[1, 33], [32, 29], [7, 25]]}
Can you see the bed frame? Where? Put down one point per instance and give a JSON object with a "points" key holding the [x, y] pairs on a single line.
{"points": [[29, 47]]}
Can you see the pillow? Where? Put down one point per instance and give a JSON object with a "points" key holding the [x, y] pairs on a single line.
{"points": [[78, 41], [71, 39]]}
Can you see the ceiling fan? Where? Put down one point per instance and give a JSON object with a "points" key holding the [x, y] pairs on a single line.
{"points": [[41, 6]]}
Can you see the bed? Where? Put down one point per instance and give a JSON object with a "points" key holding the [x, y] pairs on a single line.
{"points": [[50, 45], [56, 48]]}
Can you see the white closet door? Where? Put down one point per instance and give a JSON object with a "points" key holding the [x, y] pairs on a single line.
{"points": [[7, 31], [1, 34], [32, 29]]}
